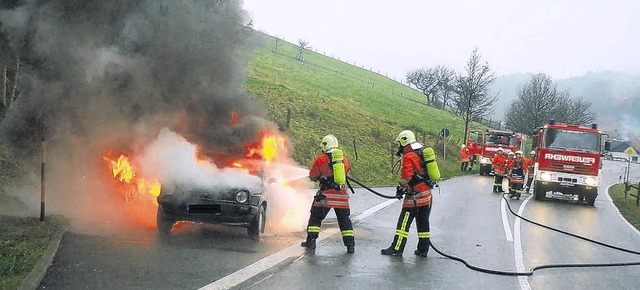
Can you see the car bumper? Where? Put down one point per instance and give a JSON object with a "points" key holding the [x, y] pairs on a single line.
{"points": [[221, 212]]}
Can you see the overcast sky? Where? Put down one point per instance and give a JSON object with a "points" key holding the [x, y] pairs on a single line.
{"points": [[562, 38]]}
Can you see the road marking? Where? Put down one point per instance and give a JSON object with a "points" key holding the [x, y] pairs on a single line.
{"points": [[244, 274], [505, 220], [517, 247]]}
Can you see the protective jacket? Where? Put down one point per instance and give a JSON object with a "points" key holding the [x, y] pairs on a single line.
{"points": [[409, 172], [529, 163], [499, 162], [464, 155], [321, 170], [517, 166]]}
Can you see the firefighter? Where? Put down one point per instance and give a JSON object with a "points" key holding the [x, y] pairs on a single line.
{"points": [[499, 162], [516, 174], [529, 167], [464, 158], [331, 174], [417, 198]]}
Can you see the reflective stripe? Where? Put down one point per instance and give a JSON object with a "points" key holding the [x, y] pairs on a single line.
{"points": [[313, 229], [401, 233], [348, 233], [424, 235], [422, 199]]}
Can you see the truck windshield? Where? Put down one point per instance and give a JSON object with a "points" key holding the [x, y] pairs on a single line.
{"points": [[576, 140], [499, 139]]}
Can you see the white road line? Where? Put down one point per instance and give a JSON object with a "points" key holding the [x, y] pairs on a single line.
{"points": [[244, 274], [517, 247], [505, 220]]}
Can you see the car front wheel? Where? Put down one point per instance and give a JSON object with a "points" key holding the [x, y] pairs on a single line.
{"points": [[164, 222], [257, 226]]}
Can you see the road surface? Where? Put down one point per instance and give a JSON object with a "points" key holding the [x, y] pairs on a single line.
{"points": [[467, 220]]}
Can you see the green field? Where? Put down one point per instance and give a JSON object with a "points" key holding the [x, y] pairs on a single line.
{"points": [[627, 207], [328, 96]]}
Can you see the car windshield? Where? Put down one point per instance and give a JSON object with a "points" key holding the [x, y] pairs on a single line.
{"points": [[499, 139], [569, 139]]}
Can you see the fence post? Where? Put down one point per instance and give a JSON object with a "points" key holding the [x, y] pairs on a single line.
{"points": [[638, 196]]}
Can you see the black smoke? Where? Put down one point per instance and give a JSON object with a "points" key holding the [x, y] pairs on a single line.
{"points": [[101, 73]]}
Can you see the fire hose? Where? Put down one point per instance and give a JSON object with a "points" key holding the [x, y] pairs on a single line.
{"points": [[545, 266], [540, 267]]}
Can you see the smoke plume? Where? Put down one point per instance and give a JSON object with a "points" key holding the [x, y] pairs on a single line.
{"points": [[109, 75]]}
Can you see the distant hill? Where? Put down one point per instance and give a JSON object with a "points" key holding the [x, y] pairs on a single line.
{"points": [[364, 109], [615, 97]]}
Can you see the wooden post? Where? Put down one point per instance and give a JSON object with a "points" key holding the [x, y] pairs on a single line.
{"points": [[43, 148], [4, 88], [15, 81], [288, 122]]}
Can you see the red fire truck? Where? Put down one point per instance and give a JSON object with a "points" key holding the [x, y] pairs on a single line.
{"points": [[568, 161], [484, 144]]}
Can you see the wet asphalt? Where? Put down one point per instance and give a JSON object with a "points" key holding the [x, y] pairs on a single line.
{"points": [[466, 221]]}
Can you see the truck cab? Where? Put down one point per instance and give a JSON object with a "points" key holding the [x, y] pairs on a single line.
{"points": [[483, 145], [569, 161]]}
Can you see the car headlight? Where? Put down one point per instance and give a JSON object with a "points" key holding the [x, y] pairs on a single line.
{"points": [[242, 196], [590, 181], [545, 176]]}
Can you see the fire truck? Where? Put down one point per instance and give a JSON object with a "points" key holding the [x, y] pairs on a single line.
{"points": [[568, 161], [484, 144]]}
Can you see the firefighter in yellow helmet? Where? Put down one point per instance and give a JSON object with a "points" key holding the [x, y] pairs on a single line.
{"points": [[417, 198], [330, 169]]}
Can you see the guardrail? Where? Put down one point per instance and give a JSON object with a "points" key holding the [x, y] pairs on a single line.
{"points": [[628, 187]]}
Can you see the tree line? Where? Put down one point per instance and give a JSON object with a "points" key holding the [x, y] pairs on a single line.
{"points": [[468, 95]]}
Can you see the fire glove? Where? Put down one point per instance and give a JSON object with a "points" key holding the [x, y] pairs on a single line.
{"points": [[400, 191]]}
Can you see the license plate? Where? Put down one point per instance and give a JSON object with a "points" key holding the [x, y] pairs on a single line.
{"points": [[566, 184]]}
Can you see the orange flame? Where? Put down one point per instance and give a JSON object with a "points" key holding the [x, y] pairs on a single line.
{"points": [[139, 193]]}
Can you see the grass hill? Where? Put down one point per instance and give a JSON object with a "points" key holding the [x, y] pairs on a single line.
{"points": [[364, 110]]}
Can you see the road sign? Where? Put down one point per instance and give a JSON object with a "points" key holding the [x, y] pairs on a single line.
{"points": [[444, 132], [630, 151]]}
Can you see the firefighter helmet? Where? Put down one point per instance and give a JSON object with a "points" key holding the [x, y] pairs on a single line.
{"points": [[500, 149], [511, 153], [329, 142], [519, 152], [532, 153], [462, 146], [406, 137]]}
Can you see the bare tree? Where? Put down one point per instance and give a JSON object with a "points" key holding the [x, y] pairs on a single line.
{"points": [[275, 50], [472, 98], [303, 45], [540, 101], [434, 83], [424, 79], [576, 111], [446, 77]]}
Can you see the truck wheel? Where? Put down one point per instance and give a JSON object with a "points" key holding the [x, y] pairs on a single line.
{"points": [[164, 223], [480, 170], [539, 191], [257, 226], [591, 197]]}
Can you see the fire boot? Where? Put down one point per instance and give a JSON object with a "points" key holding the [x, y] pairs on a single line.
{"points": [[309, 244], [390, 252], [420, 253], [351, 249]]}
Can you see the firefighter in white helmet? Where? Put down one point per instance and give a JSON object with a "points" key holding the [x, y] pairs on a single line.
{"points": [[516, 174], [499, 163], [529, 167], [330, 169], [464, 158], [417, 198]]}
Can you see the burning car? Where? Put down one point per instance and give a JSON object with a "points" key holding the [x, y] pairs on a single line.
{"points": [[232, 206]]}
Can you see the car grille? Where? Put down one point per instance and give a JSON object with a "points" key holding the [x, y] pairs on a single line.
{"points": [[203, 208]]}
